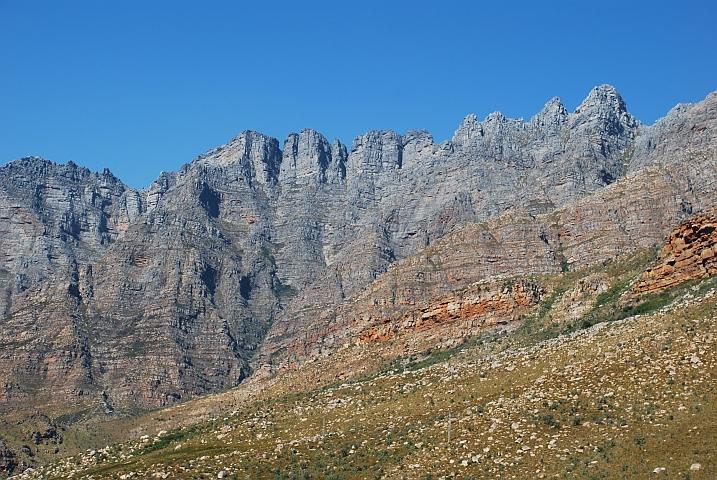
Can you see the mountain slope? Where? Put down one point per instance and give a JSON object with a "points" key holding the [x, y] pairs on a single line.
{"points": [[618, 399], [134, 299], [664, 185]]}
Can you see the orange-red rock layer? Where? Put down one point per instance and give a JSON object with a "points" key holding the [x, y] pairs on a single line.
{"points": [[690, 253]]}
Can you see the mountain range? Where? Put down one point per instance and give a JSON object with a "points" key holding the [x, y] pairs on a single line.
{"points": [[257, 258]]}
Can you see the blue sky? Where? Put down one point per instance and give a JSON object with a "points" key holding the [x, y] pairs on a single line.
{"points": [[145, 86]]}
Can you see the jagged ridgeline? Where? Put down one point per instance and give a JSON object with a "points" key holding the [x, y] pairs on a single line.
{"points": [[255, 258]]}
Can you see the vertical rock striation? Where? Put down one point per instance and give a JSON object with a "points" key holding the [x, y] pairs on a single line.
{"points": [[256, 255]]}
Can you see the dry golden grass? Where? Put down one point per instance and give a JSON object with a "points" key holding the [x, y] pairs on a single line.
{"points": [[621, 399]]}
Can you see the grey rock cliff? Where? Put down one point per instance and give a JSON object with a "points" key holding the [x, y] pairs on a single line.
{"points": [[218, 268], [669, 183]]}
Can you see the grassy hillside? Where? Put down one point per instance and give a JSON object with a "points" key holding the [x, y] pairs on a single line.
{"points": [[590, 386]]}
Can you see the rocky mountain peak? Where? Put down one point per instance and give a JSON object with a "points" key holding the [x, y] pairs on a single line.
{"points": [[603, 96], [469, 128], [658, 139], [604, 107], [41, 168], [256, 154], [375, 151], [45, 180], [603, 112], [551, 118], [421, 137], [414, 144], [309, 158], [500, 128]]}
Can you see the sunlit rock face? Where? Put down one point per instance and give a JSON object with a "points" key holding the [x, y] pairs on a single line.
{"points": [[265, 254]]}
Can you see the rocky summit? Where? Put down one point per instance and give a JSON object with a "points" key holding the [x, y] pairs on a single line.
{"points": [[258, 258]]}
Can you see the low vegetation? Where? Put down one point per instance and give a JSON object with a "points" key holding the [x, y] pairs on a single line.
{"points": [[594, 385]]}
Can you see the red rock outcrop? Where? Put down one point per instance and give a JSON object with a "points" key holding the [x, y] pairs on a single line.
{"points": [[690, 253], [467, 311]]}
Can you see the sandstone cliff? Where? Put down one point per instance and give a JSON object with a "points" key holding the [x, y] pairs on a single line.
{"points": [[689, 254], [664, 184], [259, 254]]}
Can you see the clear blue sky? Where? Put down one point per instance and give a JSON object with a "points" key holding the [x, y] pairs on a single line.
{"points": [[145, 86]]}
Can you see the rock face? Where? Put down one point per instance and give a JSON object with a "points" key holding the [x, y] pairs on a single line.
{"points": [[690, 253], [468, 311], [256, 255], [664, 186], [53, 219], [8, 462]]}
